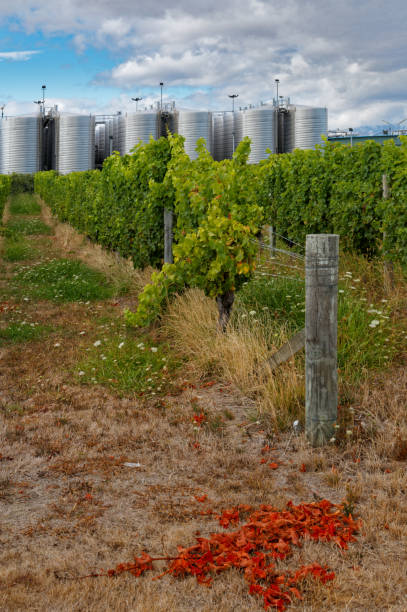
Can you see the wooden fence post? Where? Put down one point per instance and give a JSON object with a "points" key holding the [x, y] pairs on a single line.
{"points": [[271, 240], [388, 268], [321, 314], [168, 218]]}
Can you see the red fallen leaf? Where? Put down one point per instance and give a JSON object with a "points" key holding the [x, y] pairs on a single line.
{"points": [[265, 449], [387, 471], [267, 534], [273, 465], [208, 384], [263, 460], [303, 467], [196, 445], [296, 592], [199, 418], [201, 499], [88, 496]]}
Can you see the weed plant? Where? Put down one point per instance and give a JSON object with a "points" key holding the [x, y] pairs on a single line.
{"points": [[63, 280], [22, 331], [24, 204], [128, 365], [18, 250]]}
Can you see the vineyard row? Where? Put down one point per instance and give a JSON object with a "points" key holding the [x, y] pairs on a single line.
{"points": [[219, 207]]}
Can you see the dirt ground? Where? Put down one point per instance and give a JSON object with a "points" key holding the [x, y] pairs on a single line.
{"points": [[71, 506]]}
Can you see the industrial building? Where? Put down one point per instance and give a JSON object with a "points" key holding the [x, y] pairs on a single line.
{"points": [[70, 142]]}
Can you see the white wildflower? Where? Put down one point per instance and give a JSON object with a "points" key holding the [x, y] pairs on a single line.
{"points": [[374, 323], [121, 345], [154, 349], [97, 343]]}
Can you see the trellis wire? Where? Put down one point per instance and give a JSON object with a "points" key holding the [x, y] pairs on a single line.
{"points": [[300, 280], [289, 240], [280, 263], [275, 249]]}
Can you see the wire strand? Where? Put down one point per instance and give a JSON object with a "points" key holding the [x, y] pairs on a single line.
{"points": [[275, 249], [289, 240], [278, 263], [300, 280]]}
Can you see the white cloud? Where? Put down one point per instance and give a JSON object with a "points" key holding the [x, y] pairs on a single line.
{"points": [[344, 55], [17, 56]]}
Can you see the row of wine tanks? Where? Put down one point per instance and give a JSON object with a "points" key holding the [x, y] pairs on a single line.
{"points": [[77, 142], [24, 143], [277, 130]]}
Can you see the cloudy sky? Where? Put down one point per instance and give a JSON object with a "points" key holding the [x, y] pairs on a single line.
{"points": [[94, 55]]}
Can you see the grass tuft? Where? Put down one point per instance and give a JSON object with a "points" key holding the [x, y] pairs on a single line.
{"points": [[26, 227], [18, 250], [63, 280], [24, 204], [129, 365], [21, 331]]}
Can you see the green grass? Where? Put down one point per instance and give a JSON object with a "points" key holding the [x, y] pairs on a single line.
{"points": [[272, 302], [18, 250], [367, 338], [62, 280], [26, 227], [24, 204], [128, 364], [21, 331]]}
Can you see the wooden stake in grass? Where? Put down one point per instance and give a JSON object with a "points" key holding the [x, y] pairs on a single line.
{"points": [[272, 241], [321, 312], [388, 268]]}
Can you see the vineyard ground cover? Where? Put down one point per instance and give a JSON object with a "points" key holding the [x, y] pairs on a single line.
{"points": [[71, 506]]}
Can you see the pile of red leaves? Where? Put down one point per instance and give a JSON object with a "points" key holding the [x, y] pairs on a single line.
{"points": [[267, 536]]}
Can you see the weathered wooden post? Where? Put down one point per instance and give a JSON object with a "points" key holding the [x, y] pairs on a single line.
{"points": [[321, 314], [168, 217], [388, 268], [271, 240]]}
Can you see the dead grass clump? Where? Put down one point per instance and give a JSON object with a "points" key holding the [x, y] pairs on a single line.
{"points": [[238, 356], [6, 213], [383, 414]]}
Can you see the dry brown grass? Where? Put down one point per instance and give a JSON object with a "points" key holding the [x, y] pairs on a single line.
{"points": [[239, 355], [6, 213]]}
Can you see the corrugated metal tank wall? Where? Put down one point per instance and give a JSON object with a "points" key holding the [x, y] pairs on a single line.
{"points": [[232, 126], [100, 143], [304, 127], [218, 136], [75, 143], [260, 125], [20, 144], [116, 141], [136, 127], [194, 125]]}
